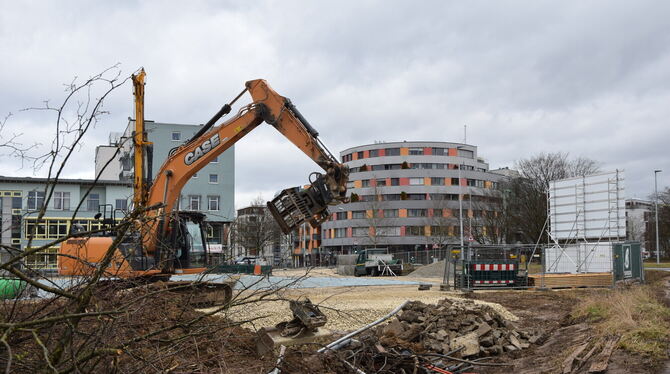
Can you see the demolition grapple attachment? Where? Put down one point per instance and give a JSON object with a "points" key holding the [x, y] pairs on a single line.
{"points": [[296, 205]]}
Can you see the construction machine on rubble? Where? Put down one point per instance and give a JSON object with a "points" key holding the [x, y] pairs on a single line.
{"points": [[165, 241]]}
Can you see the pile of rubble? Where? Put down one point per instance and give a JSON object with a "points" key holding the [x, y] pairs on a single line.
{"points": [[472, 330], [454, 335]]}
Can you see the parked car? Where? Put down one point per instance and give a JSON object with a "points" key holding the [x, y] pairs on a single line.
{"points": [[246, 260]]}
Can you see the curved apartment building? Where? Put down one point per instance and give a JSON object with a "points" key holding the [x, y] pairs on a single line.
{"points": [[405, 196]]}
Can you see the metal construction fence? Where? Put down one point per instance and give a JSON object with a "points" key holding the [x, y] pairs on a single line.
{"points": [[597, 264]]}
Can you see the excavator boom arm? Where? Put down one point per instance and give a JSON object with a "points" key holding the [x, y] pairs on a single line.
{"points": [[267, 106]]}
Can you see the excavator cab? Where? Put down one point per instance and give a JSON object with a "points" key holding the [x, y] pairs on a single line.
{"points": [[184, 245]]}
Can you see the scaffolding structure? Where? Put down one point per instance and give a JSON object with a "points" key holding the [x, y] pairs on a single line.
{"points": [[586, 216]]}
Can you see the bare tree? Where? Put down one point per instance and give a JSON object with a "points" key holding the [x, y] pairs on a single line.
{"points": [[374, 217], [635, 228], [491, 219], [663, 224], [444, 224], [256, 229]]}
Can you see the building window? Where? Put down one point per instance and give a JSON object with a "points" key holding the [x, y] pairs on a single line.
{"points": [[416, 212], [466, 153], [392, 166], [416, 181], [214, 178], [416, 196], [395, 181], [360, 231], [365, 183], [416, 151], [374, 153], [381, 182], [358, 214], [438, 213], [471, 182], [390, 213], [437, 181], [35, 200], [57, 228], [439, 231], [17, 203], [392, 152], [391, 197], [61, 200], [377, 167], [121, 204], [340, 233], [341, 215], [455, 182], [414, 231], [213, 202], [43, 260], [194, 202], [360, 155], [176, 135], [215, 160], [93, 202], [347, 158], [387, 231], [439, 152]]}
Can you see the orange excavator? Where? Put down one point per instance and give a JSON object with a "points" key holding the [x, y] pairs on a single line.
{"points": [[167, 241]]}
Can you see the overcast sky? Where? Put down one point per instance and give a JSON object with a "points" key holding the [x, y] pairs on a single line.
{"points": [[591, 78]]}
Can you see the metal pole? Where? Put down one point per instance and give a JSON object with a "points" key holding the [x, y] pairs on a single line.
{"points": [[460, 205], [658, 248]]}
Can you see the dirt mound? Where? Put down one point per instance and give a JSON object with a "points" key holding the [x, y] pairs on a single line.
{"points": [[434, 270]]}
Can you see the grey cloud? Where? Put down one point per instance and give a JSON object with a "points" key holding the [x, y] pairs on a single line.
{"points": [[589, 78]]}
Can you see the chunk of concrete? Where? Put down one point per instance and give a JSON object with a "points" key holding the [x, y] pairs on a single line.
{"points": [[469, 342], [483, 329], [515, 342]]}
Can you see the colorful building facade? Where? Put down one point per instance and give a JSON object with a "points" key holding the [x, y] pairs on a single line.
{"points": [[405, 196]]}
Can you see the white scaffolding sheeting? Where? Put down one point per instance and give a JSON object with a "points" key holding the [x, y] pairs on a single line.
{"points": [[589, 208]]}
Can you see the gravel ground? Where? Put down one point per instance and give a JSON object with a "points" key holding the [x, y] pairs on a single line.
{"points": [[347, 308]]}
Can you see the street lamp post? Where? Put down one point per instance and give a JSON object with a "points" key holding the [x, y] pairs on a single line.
{"points": [[460, 205], [658, 249]]}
